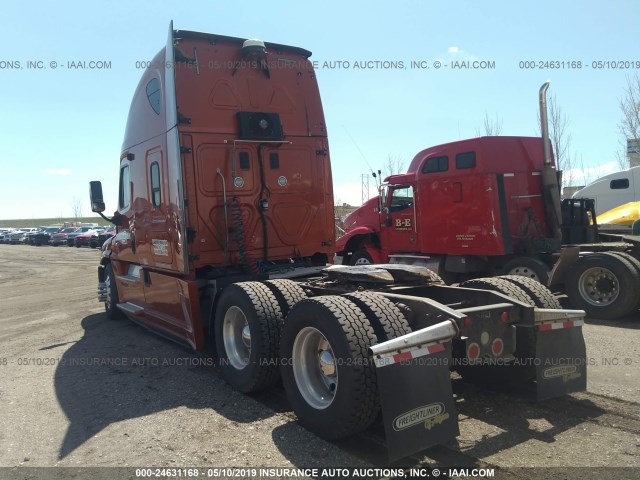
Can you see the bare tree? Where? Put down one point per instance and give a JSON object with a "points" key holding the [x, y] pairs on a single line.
{"points": [[629, 126], [559, 136], [490, 128], [76, 207], [393, 165]]}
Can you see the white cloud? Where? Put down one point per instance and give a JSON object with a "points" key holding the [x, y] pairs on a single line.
{"points": [[59, 171], [457, 53], [584, 176], [351, 193]]}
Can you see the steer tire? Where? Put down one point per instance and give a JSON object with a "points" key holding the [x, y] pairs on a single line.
{"points": [[527, 267], [387, 320], [352, 405], [254, 305], [361, 257], [605, 285], [287, 292], [111, 304], [541, 295]]}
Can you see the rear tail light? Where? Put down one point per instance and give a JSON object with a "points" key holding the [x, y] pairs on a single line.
{"points": [[473, 351], [497, 347]]}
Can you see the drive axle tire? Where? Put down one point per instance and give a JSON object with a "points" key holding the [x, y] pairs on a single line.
{"points": [[110, 304], [501, 286], [387, 320], [327, 371], [541, 295], [287, 292], [247, 327], [361, 257], [605, 285]]}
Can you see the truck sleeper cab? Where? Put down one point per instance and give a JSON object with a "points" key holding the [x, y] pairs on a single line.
{"points": [[466, 207], [226, 196], [224, 172]]}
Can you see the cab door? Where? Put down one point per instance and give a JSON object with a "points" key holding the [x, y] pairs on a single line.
{"points": [[399, 230]]}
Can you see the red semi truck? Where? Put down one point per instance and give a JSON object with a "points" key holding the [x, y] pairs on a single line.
{"points": [[491, 206], [224, 230]]}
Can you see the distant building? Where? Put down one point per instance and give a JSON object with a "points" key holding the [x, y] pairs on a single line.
{"points": [[633, 152]]}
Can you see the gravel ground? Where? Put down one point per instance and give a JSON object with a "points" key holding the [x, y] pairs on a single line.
{"points": [[78, 390]]}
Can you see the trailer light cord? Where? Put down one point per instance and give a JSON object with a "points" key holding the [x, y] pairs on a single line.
{"points": [[239, 236], [263, 218]]}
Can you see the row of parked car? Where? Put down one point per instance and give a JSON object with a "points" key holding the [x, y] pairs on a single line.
{"points": [[85, 236]]}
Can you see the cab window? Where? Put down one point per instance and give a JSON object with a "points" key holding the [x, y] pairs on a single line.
{"points": [[465, 160], [436, 164], [155, 184], [153, 94], [401, 198], [619, 184], [125, 187]]}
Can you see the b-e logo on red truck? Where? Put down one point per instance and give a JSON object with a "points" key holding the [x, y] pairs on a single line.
{"points": [[403, 224]]}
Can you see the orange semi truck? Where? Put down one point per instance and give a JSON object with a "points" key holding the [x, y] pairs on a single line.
{"points": [[224, 230]]}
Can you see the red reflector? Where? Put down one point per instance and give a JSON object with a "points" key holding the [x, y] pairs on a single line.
{"points": [[504, 317], [567, 324], [402, 356], [467, 321], [545, 326], [438, 347], [473, 351], [497, 346]]}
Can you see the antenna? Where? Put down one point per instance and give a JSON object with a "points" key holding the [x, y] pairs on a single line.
{"points": [[361, 154]]}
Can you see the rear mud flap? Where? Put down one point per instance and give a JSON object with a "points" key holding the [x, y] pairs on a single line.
{"points": [[417, 402], [560, 361]]}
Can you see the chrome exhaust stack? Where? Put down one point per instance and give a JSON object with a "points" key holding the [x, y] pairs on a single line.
{"points": [[544, 123], [550, 183]]}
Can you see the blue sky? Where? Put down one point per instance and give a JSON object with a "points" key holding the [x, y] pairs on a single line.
{"points": [[60, 127]]}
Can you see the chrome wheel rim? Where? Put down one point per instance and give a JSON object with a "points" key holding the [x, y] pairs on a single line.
{"points": [[524, 272], [314, 368], [236, 336], [598, 286], [362, 261]]}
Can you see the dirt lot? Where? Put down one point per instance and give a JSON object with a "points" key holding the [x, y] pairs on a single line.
{"points": [[157, 404]]}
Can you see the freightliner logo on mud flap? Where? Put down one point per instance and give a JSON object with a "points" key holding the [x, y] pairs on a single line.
{"points": [[430, 415], [567, 372]]}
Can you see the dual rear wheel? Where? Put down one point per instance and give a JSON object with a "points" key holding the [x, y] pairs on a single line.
{"points": [[605, 285], [318, 346]]}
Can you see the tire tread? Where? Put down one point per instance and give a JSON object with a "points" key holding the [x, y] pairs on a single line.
{"points": [[270, 319], [387, 320], [501, 286], [287, 292], [359, 335], [540, 294]]}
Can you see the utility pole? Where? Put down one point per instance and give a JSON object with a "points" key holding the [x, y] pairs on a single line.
{"points": [[365, 187]]}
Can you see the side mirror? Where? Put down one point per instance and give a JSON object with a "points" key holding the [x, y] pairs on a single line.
{"points": [[95, 193]]}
